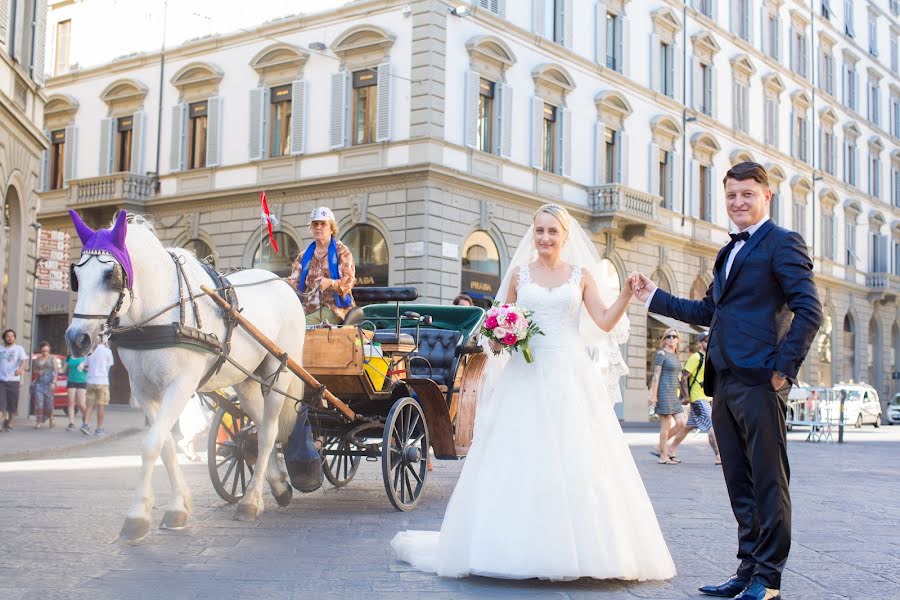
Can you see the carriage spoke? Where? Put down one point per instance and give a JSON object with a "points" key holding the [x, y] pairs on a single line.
{"points": [[243, 480], [418, 440], [412, 428], [414, 474], [408, 486], [234, 482], [229, 470]]}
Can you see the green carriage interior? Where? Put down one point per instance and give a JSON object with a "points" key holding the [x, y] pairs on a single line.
{"points": [[441, 344]]}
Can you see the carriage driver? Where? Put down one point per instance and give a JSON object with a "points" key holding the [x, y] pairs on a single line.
{"points": [[324, 274]]}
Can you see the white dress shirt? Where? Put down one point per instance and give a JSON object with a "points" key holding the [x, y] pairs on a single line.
{"points": [[731, 255]]}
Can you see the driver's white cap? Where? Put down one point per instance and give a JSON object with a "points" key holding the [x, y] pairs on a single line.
{"points": [[322, 213]]}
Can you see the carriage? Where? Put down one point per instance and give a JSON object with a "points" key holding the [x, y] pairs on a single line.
{"points": [[389, 383]]}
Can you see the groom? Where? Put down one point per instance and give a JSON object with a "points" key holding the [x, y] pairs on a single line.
{"points": [[763, 312]]}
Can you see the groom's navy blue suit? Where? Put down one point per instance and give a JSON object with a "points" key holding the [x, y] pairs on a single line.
{"points": [[753, 335]]}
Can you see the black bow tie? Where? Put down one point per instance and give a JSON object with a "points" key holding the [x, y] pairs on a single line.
{"points": [[742, 236]]}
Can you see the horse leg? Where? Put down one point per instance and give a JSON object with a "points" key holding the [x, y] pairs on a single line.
{"points": [[254, 404], [137, 521], [181, 505], [251, 505]]}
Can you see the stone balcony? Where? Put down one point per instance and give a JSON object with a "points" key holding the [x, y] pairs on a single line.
{"points": [[623, 209], [883, 287], [125, 190]]}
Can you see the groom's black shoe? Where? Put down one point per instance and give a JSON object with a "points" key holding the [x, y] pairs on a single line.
{"points": [[731, 588], [758, 591], [306, 476]]}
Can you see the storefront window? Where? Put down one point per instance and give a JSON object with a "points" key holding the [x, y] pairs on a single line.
{"points": [[370, 254], [280, 264], [480, 268]]}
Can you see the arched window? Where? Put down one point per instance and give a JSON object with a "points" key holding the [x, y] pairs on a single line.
{"points": [[200, 249], [265, 258], [850, 345], [480, 268], [370, 254], [698, 289]]}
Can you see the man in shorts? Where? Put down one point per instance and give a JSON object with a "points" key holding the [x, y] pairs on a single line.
{"points": [[701, 411], [98, 365], [12, 366]]}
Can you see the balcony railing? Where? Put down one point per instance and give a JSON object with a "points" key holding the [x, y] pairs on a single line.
{"points": [[119, 188], [882, 286], [878, 281], [617, 206]]}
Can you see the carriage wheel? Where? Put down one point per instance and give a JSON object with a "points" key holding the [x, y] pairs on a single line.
{"points": [[404, 454], [338, 465], [231, 454]]}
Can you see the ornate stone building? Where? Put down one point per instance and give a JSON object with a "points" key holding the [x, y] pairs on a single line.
{"points": [[434, 129]]}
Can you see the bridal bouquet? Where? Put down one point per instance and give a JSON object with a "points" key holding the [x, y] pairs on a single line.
{"points": [[512, 327]]}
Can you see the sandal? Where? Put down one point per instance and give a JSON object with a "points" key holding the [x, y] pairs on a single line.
{"points": [[718, 461], [675, 459], [666, 462]]}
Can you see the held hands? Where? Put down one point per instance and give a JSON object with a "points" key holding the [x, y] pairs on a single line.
{"points": [[642, 286]]}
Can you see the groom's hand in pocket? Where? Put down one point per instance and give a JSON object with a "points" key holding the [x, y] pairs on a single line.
{"points": [[778, 382]]}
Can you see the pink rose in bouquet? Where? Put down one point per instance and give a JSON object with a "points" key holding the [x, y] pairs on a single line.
{"points": [[512, 327]]}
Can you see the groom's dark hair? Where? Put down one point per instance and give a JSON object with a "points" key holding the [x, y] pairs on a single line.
{"points": [[748, 170]]}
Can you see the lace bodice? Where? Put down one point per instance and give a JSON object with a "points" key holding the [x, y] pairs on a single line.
{"points": [[557, 311]]}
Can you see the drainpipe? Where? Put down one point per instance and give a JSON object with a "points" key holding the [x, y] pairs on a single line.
{"points": [[684, 118], [812, 121]]}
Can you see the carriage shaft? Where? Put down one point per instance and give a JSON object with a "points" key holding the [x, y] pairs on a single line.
{"points": [[273, 349]]}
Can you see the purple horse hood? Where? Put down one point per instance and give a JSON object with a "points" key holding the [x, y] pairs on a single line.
{"points": [[106, 241]]}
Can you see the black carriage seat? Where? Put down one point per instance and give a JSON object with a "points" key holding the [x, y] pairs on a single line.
{"points": [[441, 348]]}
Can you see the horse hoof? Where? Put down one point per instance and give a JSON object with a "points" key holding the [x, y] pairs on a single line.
{"points": [[246, 512], [134, 530], [174, 520], [284, 498]]}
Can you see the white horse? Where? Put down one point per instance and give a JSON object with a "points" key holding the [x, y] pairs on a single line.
{"points": [[163, 380]]}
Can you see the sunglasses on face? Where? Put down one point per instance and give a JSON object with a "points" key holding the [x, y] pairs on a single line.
{"points": [[671, 337]]}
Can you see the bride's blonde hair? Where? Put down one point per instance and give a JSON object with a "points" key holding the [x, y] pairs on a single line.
{"points": [[557, 211]]}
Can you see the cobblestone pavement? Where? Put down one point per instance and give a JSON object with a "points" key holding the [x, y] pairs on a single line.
{"points": [[61, 516]]}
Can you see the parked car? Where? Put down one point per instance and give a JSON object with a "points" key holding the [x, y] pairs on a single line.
{"points": [[862, 405], [893, 415], [61, 395]]}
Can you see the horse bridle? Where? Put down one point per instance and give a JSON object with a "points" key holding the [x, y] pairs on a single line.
{"points": [[117, 284]]}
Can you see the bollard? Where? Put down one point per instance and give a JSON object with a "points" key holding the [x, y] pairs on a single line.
{"points": [[841, 416]]}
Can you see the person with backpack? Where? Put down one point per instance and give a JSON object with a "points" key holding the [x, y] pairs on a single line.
{"points": [[701, 405]]}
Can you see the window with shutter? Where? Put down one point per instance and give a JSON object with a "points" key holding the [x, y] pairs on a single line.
{"points": [[279, 130], [214, 125], [610, 154], [176, 144], [383, 125], [198, 124], [69, 154], [485, 131], [338, 126], [107, 130], [136, 160], [848, 17], [56, 160], [123, 143], [504, 121], [298, 116], [549, 138]]}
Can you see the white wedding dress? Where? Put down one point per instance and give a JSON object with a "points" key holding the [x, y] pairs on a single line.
{"points": [[549, 488]]}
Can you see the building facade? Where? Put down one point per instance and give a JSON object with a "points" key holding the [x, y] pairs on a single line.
{"points": [[435, 129], [22, 142]]}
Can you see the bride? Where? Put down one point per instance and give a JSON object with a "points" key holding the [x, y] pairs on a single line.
{"points": [[549, 488]]}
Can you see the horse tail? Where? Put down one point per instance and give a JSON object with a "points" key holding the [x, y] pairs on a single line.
{"points": [[290, 409]]}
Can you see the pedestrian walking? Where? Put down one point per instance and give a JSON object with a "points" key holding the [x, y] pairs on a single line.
{"points": [[98, 365], [12, 366], [700, 417], [664, 394], [76, 384], [44, 370]]}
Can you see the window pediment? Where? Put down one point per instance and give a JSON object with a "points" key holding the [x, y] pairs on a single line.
{"points": [[279, 62], [895, 228], [826, 41], [828, 198], [363, 42], [612, 108], [801, 186], [739, 156], [60, 106], [742, 65], [800, 100], [197, 79], [874, 74], [776, 175], [705, 45], [850, 57], [705, 147], [799, 19], [852, 208], [773, 83], [895, 157], [876, 219], [665, 19], [875, 144], [492, 51], [124, 96], [552, 80], [828, 117], [665, 128], [851, 129]]}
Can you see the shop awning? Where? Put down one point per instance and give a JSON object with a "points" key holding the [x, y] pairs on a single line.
{"points": [[671, 323]]}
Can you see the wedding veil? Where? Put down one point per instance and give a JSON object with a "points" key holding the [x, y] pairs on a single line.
{"points": [[601, 346]]}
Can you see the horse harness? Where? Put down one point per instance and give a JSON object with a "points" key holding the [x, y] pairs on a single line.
{"points": [[144, 337]]}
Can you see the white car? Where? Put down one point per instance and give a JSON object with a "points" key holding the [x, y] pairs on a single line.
{"points": [[893, 415], [861, 406]]}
